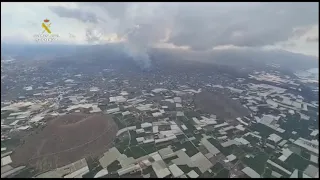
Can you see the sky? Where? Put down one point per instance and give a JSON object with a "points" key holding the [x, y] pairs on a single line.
{"points": [[189, 26]]}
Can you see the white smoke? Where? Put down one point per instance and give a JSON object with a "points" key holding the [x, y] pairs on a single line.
{"points": [[141, 27], [146, 25], [137, 48]]}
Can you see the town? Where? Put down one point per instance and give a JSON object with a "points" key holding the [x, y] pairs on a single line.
{"points": [[114, 122]]}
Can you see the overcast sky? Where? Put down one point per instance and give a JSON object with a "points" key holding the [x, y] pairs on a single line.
{"points": [[196, 26]]}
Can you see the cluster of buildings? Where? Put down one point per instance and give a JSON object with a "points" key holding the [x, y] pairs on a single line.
{"points": [[6, 169], [157, 114]]}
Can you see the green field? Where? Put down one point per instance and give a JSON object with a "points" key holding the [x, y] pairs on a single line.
{"points": [[222, 174], [297, 162], [257, 163]]}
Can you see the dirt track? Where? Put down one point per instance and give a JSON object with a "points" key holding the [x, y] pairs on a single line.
{"points": [[67, 139]]}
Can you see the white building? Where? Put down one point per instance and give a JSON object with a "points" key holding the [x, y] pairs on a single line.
{"points": [[6, 160], [193, 174], [160, 169], [111, 111], [175, 170], [177, 99], [308, 145], [117, 99], [146, 125], [312, 171], [274, 137], [101, 173], [231, 157], [250, 172]]}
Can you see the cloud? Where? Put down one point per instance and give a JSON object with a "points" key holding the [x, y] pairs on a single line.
{"points": [[17, 39], [205, 25], [78, 14], [313, 39], [202, 26], [192, 26], [114, 10]]}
